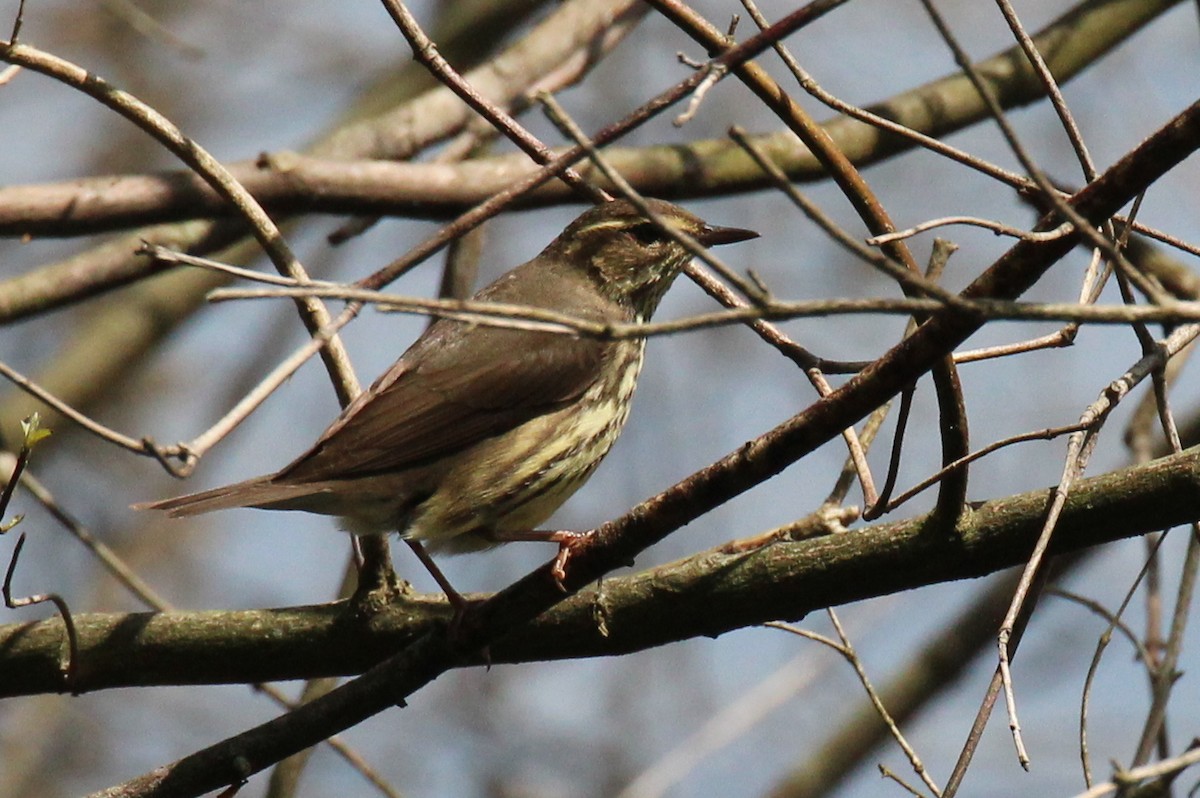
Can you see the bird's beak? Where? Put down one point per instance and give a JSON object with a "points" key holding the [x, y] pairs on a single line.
{"points": [[715, 236]]}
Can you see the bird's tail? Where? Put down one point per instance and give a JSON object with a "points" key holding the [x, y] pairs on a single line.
{"points": [[258, 492]]}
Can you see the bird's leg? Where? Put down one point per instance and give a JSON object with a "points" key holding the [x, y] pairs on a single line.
{"points": [[375, 583], [375, 574], [565, 538], [453, 596]]}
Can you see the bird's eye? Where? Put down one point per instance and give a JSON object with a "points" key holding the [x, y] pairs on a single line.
{"points": [[646, 234]]}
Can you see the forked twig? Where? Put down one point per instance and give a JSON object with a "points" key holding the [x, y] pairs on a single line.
{"points": [[33, 433], [69, 662], [846, 649]]}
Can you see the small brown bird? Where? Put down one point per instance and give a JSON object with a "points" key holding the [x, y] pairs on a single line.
{"points": [[477, 433]]}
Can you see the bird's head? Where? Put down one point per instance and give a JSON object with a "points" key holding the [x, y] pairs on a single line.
{"points": [[630, 257]]}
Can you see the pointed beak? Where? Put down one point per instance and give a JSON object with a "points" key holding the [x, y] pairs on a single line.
{"points": [[715, 236]]}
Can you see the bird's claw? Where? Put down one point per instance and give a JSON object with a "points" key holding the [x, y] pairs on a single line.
{"points": [[567, 541]]}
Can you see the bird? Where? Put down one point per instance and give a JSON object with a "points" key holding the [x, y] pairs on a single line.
{"points": [[478, 433]]}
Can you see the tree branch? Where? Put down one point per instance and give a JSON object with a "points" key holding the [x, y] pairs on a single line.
{"points": [[706, 594]]}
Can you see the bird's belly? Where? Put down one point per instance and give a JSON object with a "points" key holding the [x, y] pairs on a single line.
{"points": [[515, 481]]}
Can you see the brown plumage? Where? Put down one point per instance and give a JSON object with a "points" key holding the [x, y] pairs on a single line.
{"points": [[478, 433]]}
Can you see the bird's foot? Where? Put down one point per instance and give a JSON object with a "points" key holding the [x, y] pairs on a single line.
{"points": [[565, 538], [567, 541]]}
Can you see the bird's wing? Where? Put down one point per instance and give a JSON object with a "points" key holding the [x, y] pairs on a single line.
{"points": [[456, 386]]}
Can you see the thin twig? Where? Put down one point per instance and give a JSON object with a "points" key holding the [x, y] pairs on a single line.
{"points": [[1114, 622], [279, 375], [109, 559], [1123, 779], [18, 21], [557, 165], [172, 257], [138, 446], [903, 414], [888, 773], [34, 433], [1057, 101], [856, 447], [846, 649], [521, 317], [1165, 674], [713, 76], [426, 52], [69, 663], [1054, 340], [1048, 434], [998, 228]]}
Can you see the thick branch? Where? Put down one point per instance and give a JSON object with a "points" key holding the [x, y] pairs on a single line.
{"points": [[704, 595]]}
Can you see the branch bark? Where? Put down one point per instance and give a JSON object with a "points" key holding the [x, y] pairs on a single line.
{"points": [[707, 594]]}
